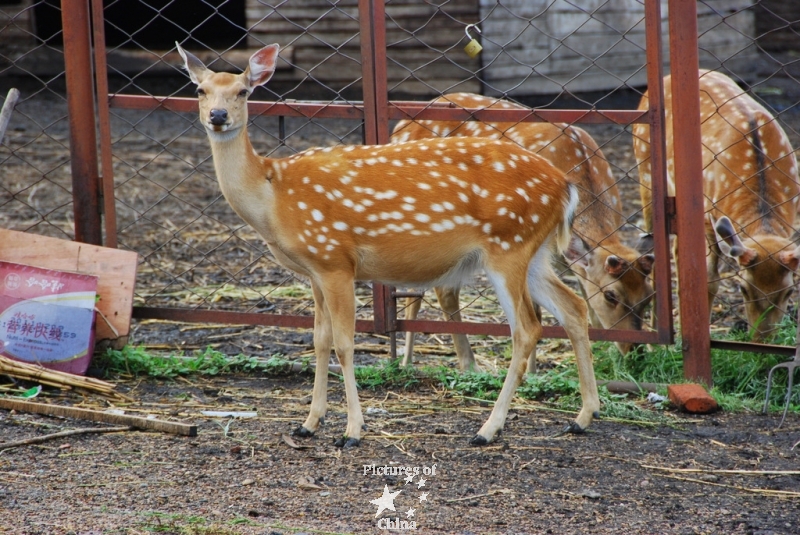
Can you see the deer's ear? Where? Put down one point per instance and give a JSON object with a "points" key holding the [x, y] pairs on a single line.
{"points": [[790, 259], [578, 252], [196, 69], [262, 65], [731, 244], [645, 263]]}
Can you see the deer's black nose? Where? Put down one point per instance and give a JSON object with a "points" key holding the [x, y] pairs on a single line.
{"points": [[218, 117]]}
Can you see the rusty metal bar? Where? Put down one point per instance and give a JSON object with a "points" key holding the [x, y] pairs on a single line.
{"points": [[689, 197], [308, 110], [234, 318], [82, 133], [450, 112], [104, 123], [752, 347], [658, 172]]}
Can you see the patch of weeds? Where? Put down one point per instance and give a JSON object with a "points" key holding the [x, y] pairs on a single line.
{"points": [[387, 374], [481, 385], [136, 361]]}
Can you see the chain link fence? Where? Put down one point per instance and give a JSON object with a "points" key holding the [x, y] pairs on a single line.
{"points": [[196, 254]]}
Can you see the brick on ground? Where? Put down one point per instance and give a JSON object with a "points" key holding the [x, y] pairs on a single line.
{"points": [[691, 398]]}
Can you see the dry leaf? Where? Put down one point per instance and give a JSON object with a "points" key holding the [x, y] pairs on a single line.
{"points": [[292, 444], [307, 483]]}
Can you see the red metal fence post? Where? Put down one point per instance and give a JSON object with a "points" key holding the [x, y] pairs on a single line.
{"points": [[655, 87], [376, 119], [82, 128], [690, 206]]}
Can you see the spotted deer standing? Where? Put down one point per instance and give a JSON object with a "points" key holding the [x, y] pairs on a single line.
{"points": [[613, 276], [453, 206], [751, 192]]}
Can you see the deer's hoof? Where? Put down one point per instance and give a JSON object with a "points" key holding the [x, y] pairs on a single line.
{"points": [[596, 415], [345, 442], [574, 429], [302, 432], [478, 440]]}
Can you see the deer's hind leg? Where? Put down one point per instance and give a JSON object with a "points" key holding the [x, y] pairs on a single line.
{"points": [[571, 311]]}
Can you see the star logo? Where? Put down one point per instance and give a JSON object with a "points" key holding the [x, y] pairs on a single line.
{"points": [[422, 498], [421, 483], [410, 512], [386, 501], [409, 479]]}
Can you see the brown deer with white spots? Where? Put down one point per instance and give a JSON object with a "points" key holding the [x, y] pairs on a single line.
{"points": [[453, 206], [751, 192], [613, 276]]}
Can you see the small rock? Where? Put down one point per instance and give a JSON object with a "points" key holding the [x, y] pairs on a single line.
{"points": [[324, 493], [247, 482]]}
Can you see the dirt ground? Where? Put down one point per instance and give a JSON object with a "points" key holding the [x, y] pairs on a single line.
{"points": [[722, 473]]}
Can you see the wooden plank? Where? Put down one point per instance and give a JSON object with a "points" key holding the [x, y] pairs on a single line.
{"points": [[173, 428], [115, 269]]}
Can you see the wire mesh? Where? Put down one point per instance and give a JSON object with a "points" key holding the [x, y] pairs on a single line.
{"points": [[195, 253]]}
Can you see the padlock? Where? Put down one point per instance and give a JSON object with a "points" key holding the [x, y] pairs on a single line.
{"points": [[473, 48]]}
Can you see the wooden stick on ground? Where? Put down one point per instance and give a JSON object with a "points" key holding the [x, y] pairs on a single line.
{"points": [[174, 428], [45, 438]]}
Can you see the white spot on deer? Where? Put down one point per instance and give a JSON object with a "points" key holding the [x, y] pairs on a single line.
{"points": [[502, 210], [522, 193], [386, 195], [436, 207], [544, 199], [535, 218], [359, 230], [499, 167], [423, 185], [359, 207], [321, 238], [487, 228], [435, 174], [340, 225], [306, 180], [463, 196], [422, 218], [447, 160], [463, 166], [313, 249], [445, 225], [302, 205], [411, 161], [478, 159], [407, 207]]}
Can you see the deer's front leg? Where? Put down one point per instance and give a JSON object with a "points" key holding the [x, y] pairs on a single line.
{"points": [[525, 333], [323, 339], [339, 293]]}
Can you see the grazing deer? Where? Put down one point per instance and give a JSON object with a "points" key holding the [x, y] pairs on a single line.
{"points": [[751, 192], [612, 275], [453, 206]]}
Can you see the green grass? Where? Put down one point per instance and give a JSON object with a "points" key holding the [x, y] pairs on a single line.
{"points": [[739, 377], [137, 361]]}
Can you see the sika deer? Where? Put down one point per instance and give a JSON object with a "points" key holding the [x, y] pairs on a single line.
{"points": [[340, 214], [613, 276], [751, 187]]}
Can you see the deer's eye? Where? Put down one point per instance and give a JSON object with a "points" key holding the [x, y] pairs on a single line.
{"points": [[611, 298], [243, 93], [200, 92]]}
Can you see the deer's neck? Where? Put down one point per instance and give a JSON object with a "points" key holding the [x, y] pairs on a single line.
{"points": [[245, 179]]}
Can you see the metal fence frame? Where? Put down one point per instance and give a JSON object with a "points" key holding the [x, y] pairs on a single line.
{"points": [[94, 199]]}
